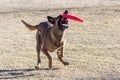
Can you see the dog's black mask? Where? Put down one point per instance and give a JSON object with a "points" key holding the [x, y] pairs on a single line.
{"points": [[60, 21]]}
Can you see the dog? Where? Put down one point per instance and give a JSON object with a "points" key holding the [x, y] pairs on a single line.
{"points": [[50, 36]]}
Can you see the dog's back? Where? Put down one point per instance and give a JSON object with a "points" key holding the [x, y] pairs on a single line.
{"points": [[42, 26]]}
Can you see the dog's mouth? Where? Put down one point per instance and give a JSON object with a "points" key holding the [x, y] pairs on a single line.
{"points": [[65, 23], [62, 23]]}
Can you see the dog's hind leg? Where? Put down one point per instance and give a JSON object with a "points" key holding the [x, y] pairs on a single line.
{"points": [[60, 56], [38, 48]]}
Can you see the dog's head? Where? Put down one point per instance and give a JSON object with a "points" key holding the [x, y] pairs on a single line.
{"points": [[60, 22]]}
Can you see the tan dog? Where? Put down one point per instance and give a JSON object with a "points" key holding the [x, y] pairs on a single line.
{"points": [[50, 36]]}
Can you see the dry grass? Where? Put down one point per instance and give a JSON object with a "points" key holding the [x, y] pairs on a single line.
{"points": [[92, 48]]}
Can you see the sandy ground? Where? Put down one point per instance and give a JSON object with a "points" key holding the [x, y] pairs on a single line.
{"points": [[92, 48], [23, 5]]}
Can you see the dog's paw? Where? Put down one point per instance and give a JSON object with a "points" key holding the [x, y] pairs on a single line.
{"points": [[66, 63], [37, 67]]}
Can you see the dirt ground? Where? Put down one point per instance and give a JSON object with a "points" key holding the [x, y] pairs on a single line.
{"points": [[92, 48]]}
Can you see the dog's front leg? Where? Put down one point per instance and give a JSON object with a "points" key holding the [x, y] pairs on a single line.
{"points": [[49, 57], [60, 56]]}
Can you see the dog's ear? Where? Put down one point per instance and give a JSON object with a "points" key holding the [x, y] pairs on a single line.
{"points": [[66, 12], [51, 19]]}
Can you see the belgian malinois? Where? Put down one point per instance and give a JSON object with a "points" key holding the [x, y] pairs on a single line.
{"points": [[50, 36]]}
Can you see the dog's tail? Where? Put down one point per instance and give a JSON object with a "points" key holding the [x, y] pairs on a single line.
{"points": [[30, 27]]}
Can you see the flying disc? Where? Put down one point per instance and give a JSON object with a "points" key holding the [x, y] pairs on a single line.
{"points": [[72, 17]]}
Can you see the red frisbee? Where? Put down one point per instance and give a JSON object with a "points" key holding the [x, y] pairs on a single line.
{"points": [[72, 17]]}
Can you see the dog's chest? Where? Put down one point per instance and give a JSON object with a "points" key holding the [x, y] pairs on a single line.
{"points": [[53, 45]]}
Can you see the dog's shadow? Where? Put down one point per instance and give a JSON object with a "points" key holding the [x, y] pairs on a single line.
{"points": [[11, 74]]}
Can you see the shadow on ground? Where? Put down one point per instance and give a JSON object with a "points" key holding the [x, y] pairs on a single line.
{"points": [[10, 74], [23, 73]]}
